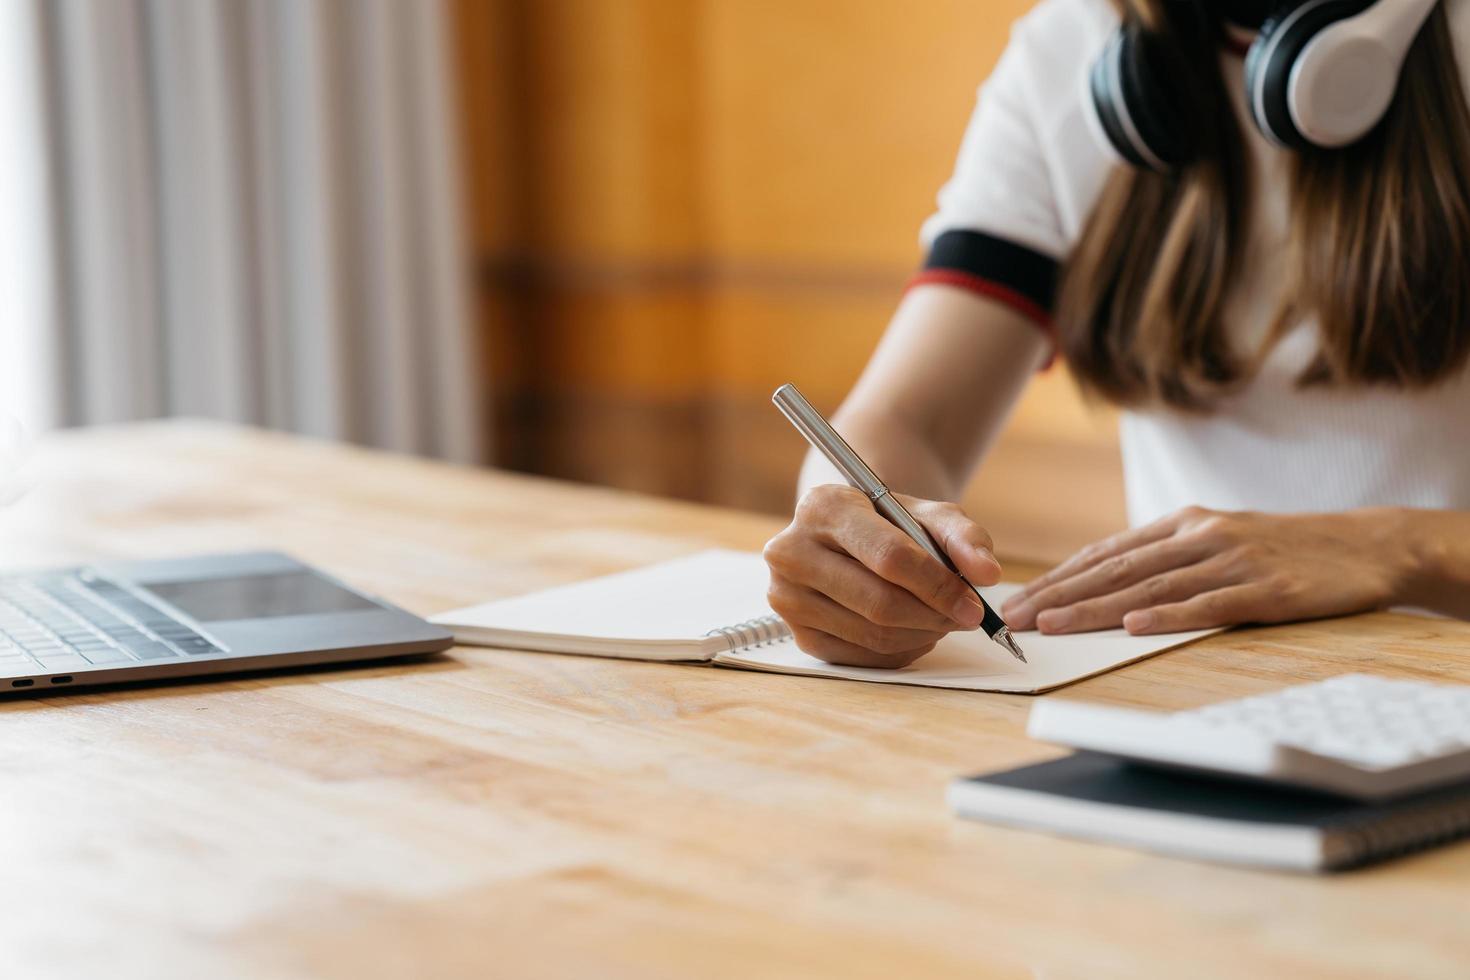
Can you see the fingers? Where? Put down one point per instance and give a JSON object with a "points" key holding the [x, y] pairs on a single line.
{"points": [[888, 553], [834, 650], [856, 590], [1222, 607], [853, 586], [1108, 611], [1094, 554], [966, 543], [1135, 573], [817, 612]]}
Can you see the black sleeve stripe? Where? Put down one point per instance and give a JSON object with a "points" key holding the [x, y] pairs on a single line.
{"points": [[1013, 268]]}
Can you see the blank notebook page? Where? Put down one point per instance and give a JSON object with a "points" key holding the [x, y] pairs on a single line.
{"points": [[676, 602], [667, 611], [973, 661]]}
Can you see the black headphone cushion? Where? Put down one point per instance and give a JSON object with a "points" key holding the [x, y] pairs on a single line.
{"points": [[1143, 91], [1156, 85], [1106, 99]]}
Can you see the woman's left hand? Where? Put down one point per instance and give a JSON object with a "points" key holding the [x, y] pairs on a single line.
{"points": [[1198, 569]]}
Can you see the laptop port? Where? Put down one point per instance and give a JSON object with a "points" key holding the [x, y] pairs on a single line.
{"points": [[23, 682], [63, 679]]}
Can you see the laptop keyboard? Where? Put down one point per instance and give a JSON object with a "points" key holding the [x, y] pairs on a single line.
{"points": [[70, 622]]}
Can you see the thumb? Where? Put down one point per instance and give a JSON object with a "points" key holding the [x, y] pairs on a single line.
{"points": [[967, 543]]}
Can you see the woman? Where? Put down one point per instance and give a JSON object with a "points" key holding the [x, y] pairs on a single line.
{"points": [[1286, 327]]}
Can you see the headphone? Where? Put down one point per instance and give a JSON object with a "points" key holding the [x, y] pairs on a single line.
{"points": [[1321, 73]]}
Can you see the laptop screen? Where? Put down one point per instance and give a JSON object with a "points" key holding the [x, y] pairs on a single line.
{"points": [[295, 593]]}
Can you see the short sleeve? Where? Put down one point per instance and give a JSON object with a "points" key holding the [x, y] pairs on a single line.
{"points": [[1005, 219]]}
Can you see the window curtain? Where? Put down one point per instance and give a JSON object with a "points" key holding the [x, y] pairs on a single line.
{"points": [[238, 209]]}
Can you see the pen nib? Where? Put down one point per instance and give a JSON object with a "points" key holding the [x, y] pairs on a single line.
{"points": [[1004, 638]]}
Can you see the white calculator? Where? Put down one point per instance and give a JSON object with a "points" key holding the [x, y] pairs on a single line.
{"points": [[1355, 735]]}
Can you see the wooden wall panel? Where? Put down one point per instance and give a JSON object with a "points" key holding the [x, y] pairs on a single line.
{"points": [[611, 130], [829, 125], [490, 102], [679, 204]]}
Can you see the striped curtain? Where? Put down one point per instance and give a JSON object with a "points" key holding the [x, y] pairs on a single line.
{"points": [[238, 209]]}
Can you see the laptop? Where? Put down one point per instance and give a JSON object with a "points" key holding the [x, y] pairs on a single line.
{"points": [[147, 620]]}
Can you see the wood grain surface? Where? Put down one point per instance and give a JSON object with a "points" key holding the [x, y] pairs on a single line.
{"points": [[501, 814]]}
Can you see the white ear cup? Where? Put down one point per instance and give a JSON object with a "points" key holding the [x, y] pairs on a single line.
{"points": [[1336, 99], [1345, 77]]}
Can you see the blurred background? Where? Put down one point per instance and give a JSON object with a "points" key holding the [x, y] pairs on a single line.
{"points": [[581, 238]]}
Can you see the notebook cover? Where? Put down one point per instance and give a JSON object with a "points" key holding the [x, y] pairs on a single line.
{"points": [[1088, 777]]}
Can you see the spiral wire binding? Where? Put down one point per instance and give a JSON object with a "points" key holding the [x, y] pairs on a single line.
{"points": [[1438, 824], [753, 633]]}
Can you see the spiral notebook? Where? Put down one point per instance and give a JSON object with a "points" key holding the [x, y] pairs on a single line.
{"points": [[710, 608]]}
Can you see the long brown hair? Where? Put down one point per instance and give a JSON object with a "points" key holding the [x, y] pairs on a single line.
{"points": [[1379, 247]]}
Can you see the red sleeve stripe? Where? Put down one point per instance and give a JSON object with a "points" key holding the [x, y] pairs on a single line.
{"points": [[1019, 276], [1014, 275], [1023, 305], [1028, 308]]}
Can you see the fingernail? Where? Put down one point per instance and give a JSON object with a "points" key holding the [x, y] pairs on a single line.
{"points": [[1018, 615], [968, 612], [1054, 620], [987, 556], [1137, 622]]}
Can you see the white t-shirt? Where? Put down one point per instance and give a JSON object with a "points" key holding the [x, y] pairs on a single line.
{"points": [[1029, 170]]}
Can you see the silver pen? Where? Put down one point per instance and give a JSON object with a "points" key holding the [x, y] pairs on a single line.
{"points": [[824, 438]]}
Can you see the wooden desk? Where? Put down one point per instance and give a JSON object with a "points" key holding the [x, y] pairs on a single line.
{"points": [[523, 815]]}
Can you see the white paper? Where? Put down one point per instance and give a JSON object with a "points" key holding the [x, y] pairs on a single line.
{"points": [[668, 611], [972, 661], [658, 612]]}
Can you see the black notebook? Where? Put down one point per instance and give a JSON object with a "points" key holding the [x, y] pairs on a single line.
{"points": [[1102, 798]]}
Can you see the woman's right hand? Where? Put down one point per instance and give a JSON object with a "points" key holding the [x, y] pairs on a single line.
{"points": [[856, 590]]}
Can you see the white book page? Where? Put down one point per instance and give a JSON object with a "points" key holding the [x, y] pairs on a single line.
{"points": [[674, 603], [973, 662]]}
